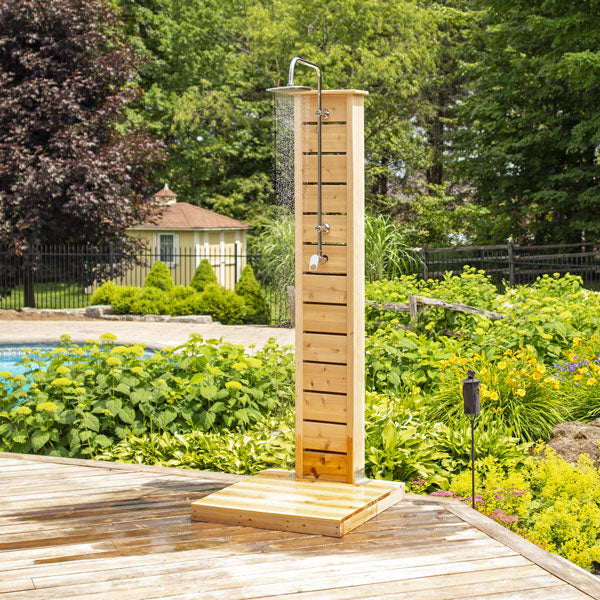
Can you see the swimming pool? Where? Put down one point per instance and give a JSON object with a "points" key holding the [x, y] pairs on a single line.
{"points": [[10, 354]]}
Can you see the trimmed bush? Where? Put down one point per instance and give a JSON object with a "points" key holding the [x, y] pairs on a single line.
{"points": [[159, 277], [223, 305], [203, 276], [105, 294], [151, 301], [256, 305], [124, 298]]}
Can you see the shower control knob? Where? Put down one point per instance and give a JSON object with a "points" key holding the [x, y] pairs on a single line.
{"points": [[323, 113], [324, 228]]}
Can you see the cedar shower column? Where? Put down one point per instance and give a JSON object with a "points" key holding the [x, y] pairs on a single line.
{"points": [[330, 302]]}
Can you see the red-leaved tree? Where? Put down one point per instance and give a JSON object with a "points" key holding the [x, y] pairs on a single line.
{"points": [[71, 171]]}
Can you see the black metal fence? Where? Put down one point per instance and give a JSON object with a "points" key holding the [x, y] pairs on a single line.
{"points": [[515, 264], [67, 276]]}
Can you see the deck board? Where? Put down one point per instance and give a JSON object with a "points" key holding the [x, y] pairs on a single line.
{"points": [[86, 531]]}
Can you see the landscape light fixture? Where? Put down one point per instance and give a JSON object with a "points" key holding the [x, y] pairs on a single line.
{"points": [[472, 409]]}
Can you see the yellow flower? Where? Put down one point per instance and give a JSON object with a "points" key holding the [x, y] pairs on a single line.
{"points": [[161, 381], [79, 390], [23, 410], [502, 365], [566, 314], [591, 381], [493, 395], [108, 337], [214, 370], [536, 375], [63, 370], [541, 368], [58, 351], [479, 331], [254, 362], [137, 370], [429, 325], [578, 377], [6, 374], [61, 381], [89, 372], [233, 385], [239, 366], [520, 392], [114, 361], [47, 406]]}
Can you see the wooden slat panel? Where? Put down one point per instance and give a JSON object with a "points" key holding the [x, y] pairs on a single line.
{"points": [[324, 347], [356, 285], [333, 138], [336, 259], [325, 436], [334, 198], [337, 232], [326, 289], [325, 319], [334, 168], [333, 467], [336, 105], [325, 407], [325, 378]]}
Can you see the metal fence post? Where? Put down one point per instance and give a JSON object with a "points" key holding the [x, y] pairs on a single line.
{"points": [[511, 263], [235, 263], [425, 266], [110, 260]]}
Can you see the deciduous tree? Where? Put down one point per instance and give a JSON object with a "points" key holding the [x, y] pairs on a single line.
{"points": [[70, 172]]}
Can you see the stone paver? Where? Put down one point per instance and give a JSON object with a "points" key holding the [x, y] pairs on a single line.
{"points": [[153, 335]]}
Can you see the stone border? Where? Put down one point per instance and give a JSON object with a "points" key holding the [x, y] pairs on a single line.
{"points": [[104, 311]]}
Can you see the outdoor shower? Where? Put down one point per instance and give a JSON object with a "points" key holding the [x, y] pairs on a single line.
{"points": [[327, 493], [322, 114]]}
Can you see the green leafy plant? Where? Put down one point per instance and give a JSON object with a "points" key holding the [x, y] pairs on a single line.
{"points": [[105, 294], [203, 276], [257, 309], [386, 251], [75, 401], [224, 305], [266, 446], [159, 277]]}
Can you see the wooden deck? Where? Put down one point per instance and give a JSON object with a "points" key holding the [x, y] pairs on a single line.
{"points": [[93, 531]]}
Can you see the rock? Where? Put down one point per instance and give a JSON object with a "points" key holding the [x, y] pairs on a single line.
{"points": [[98, 310], [151, 318], [574, 438], [199, 319]]}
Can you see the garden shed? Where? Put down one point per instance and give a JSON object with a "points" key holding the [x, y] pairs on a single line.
{"points": [[182, 234]]}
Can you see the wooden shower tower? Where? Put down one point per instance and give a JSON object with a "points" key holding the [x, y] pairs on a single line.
{"points": [[328, 493]]}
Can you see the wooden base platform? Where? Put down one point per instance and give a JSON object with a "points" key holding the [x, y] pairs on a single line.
{"points": [[277, 500]]}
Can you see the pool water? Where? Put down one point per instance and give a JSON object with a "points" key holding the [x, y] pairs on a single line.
{"points": [[11, 354]]}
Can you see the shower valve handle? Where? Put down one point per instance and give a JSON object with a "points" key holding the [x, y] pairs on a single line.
{"points": [[322, 228], [323, 113]]}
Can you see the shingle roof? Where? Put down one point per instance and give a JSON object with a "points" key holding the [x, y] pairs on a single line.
{"points": [[183, 215]]}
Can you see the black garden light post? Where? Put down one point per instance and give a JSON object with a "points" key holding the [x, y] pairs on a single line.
{"points": [[472, 409]]}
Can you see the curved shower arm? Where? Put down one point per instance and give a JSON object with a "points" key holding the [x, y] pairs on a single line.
{"points": [[306, 63]]}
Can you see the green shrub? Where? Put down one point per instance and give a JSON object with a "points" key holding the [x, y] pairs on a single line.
{"points": [[203, 276], [105, 294], [123, 299], [223, 305], [270, 445], [552, 503], [159, 277], [76, 401], [150, 301], [257, 309]]}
